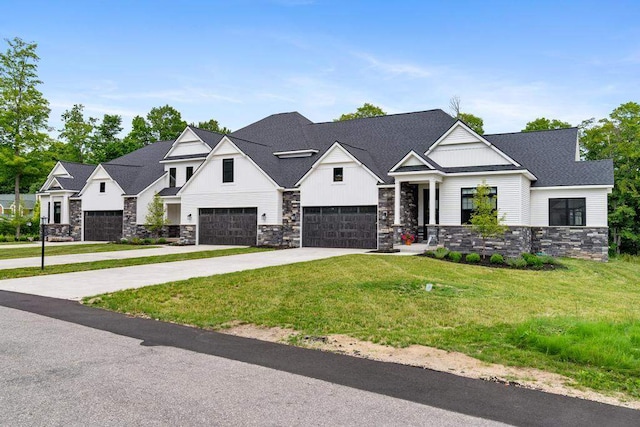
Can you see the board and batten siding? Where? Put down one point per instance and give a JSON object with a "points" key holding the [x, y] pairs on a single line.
{"points": [[145, 197], [468, 154], [251, 188], [357, 188], [94, 200], [181, 170], [596, 200], [510, 197], [188, 144]]}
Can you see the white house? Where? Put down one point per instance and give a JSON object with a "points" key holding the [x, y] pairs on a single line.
{"points": [[286, 181]]}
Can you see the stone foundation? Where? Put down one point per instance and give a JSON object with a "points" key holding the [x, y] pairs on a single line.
{"points": [[58, 231], [385, 219], [291, 216], [461, 238], [129, 218], [75, 219], [573, 242], [270, 235], [187, 234]]}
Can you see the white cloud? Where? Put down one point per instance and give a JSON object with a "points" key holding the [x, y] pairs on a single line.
{"points": [[396, 68]]}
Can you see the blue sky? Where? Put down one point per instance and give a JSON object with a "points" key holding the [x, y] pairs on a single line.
{"points": [[239, 61]]}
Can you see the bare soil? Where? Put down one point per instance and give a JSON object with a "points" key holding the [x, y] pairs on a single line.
{"points": [[433, 358]]}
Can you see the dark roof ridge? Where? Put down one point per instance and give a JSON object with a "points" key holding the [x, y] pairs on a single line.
{"points": [[351, 145], [250, 142], [384, 115], [77, 163], [204, 130], [531, 131], [121, 164]]}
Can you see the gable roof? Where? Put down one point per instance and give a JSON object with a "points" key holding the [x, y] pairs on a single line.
{"points": [[79, 171], [28, 200]]}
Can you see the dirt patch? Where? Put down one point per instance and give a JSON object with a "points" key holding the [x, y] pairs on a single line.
{"points": [[432, 358]]}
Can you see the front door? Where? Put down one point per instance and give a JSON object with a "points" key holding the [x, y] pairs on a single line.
{"points": [[426, 209]]}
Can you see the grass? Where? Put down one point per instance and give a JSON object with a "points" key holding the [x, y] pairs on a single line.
{"points": [[14, 273], [67, 250], [519, 318]]}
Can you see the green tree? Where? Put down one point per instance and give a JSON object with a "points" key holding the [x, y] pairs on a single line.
{"points": [[543, 123], [105, 144], [213, 126], [140, 134], [77, 132], [367, 110], [474, 122], [156, 218], [166, 123], [24, 111], [618, 138], [484, 218]]}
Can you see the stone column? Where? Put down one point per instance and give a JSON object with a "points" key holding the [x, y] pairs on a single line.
{"points": [[130, 218], [385, 218], [75, 219]]}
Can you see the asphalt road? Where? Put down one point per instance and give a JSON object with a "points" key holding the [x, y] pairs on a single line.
{"points": [[63, 363]]}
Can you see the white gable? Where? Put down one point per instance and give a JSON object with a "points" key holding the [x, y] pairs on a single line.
{"points": [[412, 161], [225, 148], [459, 135], [187, 144], [336, 154], [467, 154], [59, 170], [100, 174]]}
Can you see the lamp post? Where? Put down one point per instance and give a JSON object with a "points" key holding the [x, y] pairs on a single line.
{"points": [[43, 235]]}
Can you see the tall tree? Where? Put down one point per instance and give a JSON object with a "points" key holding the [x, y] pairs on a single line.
{"points": [[618, 138], [24, 111], [77, 132], [474, 122], [542, 123], [367, 110], [105, 144], [165, 122], [140, 134], [213, 126]]}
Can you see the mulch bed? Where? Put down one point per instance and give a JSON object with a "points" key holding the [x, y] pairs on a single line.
{"points": [[484, 262]]}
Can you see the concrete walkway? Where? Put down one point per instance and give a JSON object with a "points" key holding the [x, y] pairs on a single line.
{"points": [[101, 256], [75, 286]]}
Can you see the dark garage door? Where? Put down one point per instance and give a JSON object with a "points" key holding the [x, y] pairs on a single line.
{"points": [[340, 227], [103, 226], [228, 226]]}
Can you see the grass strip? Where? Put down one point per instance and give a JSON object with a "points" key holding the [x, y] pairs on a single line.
{"points": [[491, 314], [68, 250], [15, 273]]}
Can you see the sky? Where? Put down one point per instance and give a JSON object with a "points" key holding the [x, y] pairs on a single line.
{"points": [[509, 62]]}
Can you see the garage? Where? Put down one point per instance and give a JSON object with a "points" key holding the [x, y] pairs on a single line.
{"points": [[228, 226], [340, 227], [103, 226]]}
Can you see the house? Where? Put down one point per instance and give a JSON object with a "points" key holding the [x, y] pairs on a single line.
{"points": [[287, 181], [7, 203]]}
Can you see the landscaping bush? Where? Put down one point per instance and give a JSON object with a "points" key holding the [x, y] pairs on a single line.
{"points": [[532, 260], [496, 259], [441, 253], [472, 258], [161, 241], [517, 262], [124, 241], [10, 238], [430, 254], [2, 238], [548, 260], [147, 241], [455, 256], [136, 241]]}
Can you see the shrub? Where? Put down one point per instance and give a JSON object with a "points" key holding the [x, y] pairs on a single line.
{"points": [[517, 262], [547, 259], [430, 254], [496, 259], [532, 260], [136, 241], [124, 241], [161, 241], [455, 256], [472, 258], [10, 238], [23, 238], [441, 253], [147, 241], [3, 238]]}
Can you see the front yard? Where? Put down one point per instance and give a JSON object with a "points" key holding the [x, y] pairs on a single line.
{"points": [[581, 322], [51, 249]]}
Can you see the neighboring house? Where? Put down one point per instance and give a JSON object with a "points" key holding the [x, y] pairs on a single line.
{"points": [[286, 181], [8, 203]]}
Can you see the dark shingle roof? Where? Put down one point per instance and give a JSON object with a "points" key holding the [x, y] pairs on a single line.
{"points": [[209, 137], [137, 170], [79, 171], [169, 191]]}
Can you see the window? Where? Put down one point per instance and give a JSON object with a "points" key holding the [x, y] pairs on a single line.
{"points": [[572, 212], [189, 172], [172, 177], [338, 175], [103, 186], [227, 170], [467, 202], [57, 212]]}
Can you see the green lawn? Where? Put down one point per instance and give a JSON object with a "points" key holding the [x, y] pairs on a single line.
{"points": [[14, 273], [67, 250], [522, 318]]}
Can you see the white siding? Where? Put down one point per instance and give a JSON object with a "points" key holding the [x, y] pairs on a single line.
{"points": [[251, 188], [412, 161], [181, 170], [459, 136], [358, 187], [94, 200], [596, 200], [64, 204], [336, 155], [145, 197], [525, 186], [509, 197], [188, 144], [468, 154]]}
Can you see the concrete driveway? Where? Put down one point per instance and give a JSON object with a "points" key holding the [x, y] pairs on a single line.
{"points": [[75, 286]]}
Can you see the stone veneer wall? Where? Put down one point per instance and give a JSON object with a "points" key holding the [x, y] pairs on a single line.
{"points": [[408, 211], [385, 227], [461, 238], [130, 217], [58, 231], [288, 234], [75, 219], [188, 234], [574, 242]]}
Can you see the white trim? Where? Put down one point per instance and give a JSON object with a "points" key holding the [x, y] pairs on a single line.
{"points": [[81, 192], [459, 123], [326, 153], [524, 172], [386, 185], [295, 153], [572, 187], [175, 143], [183, 160], [153, 183], [212, 153], [405, 158]]}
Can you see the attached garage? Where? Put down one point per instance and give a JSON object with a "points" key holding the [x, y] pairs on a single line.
{"points": [[228, 226], [340, 227], [103, 226]]}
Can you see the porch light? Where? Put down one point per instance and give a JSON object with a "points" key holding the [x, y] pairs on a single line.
{"points": [[264, 216], [189, 217], [384, 215]]}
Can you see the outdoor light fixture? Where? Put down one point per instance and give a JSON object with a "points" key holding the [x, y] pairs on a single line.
{"points": [[384, 215], [294, 217], [264, 216], [189, 217]]}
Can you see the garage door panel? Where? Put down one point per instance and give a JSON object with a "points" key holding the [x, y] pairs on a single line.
{"points": [[228, 226], [103, 226], [340, 227]]}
